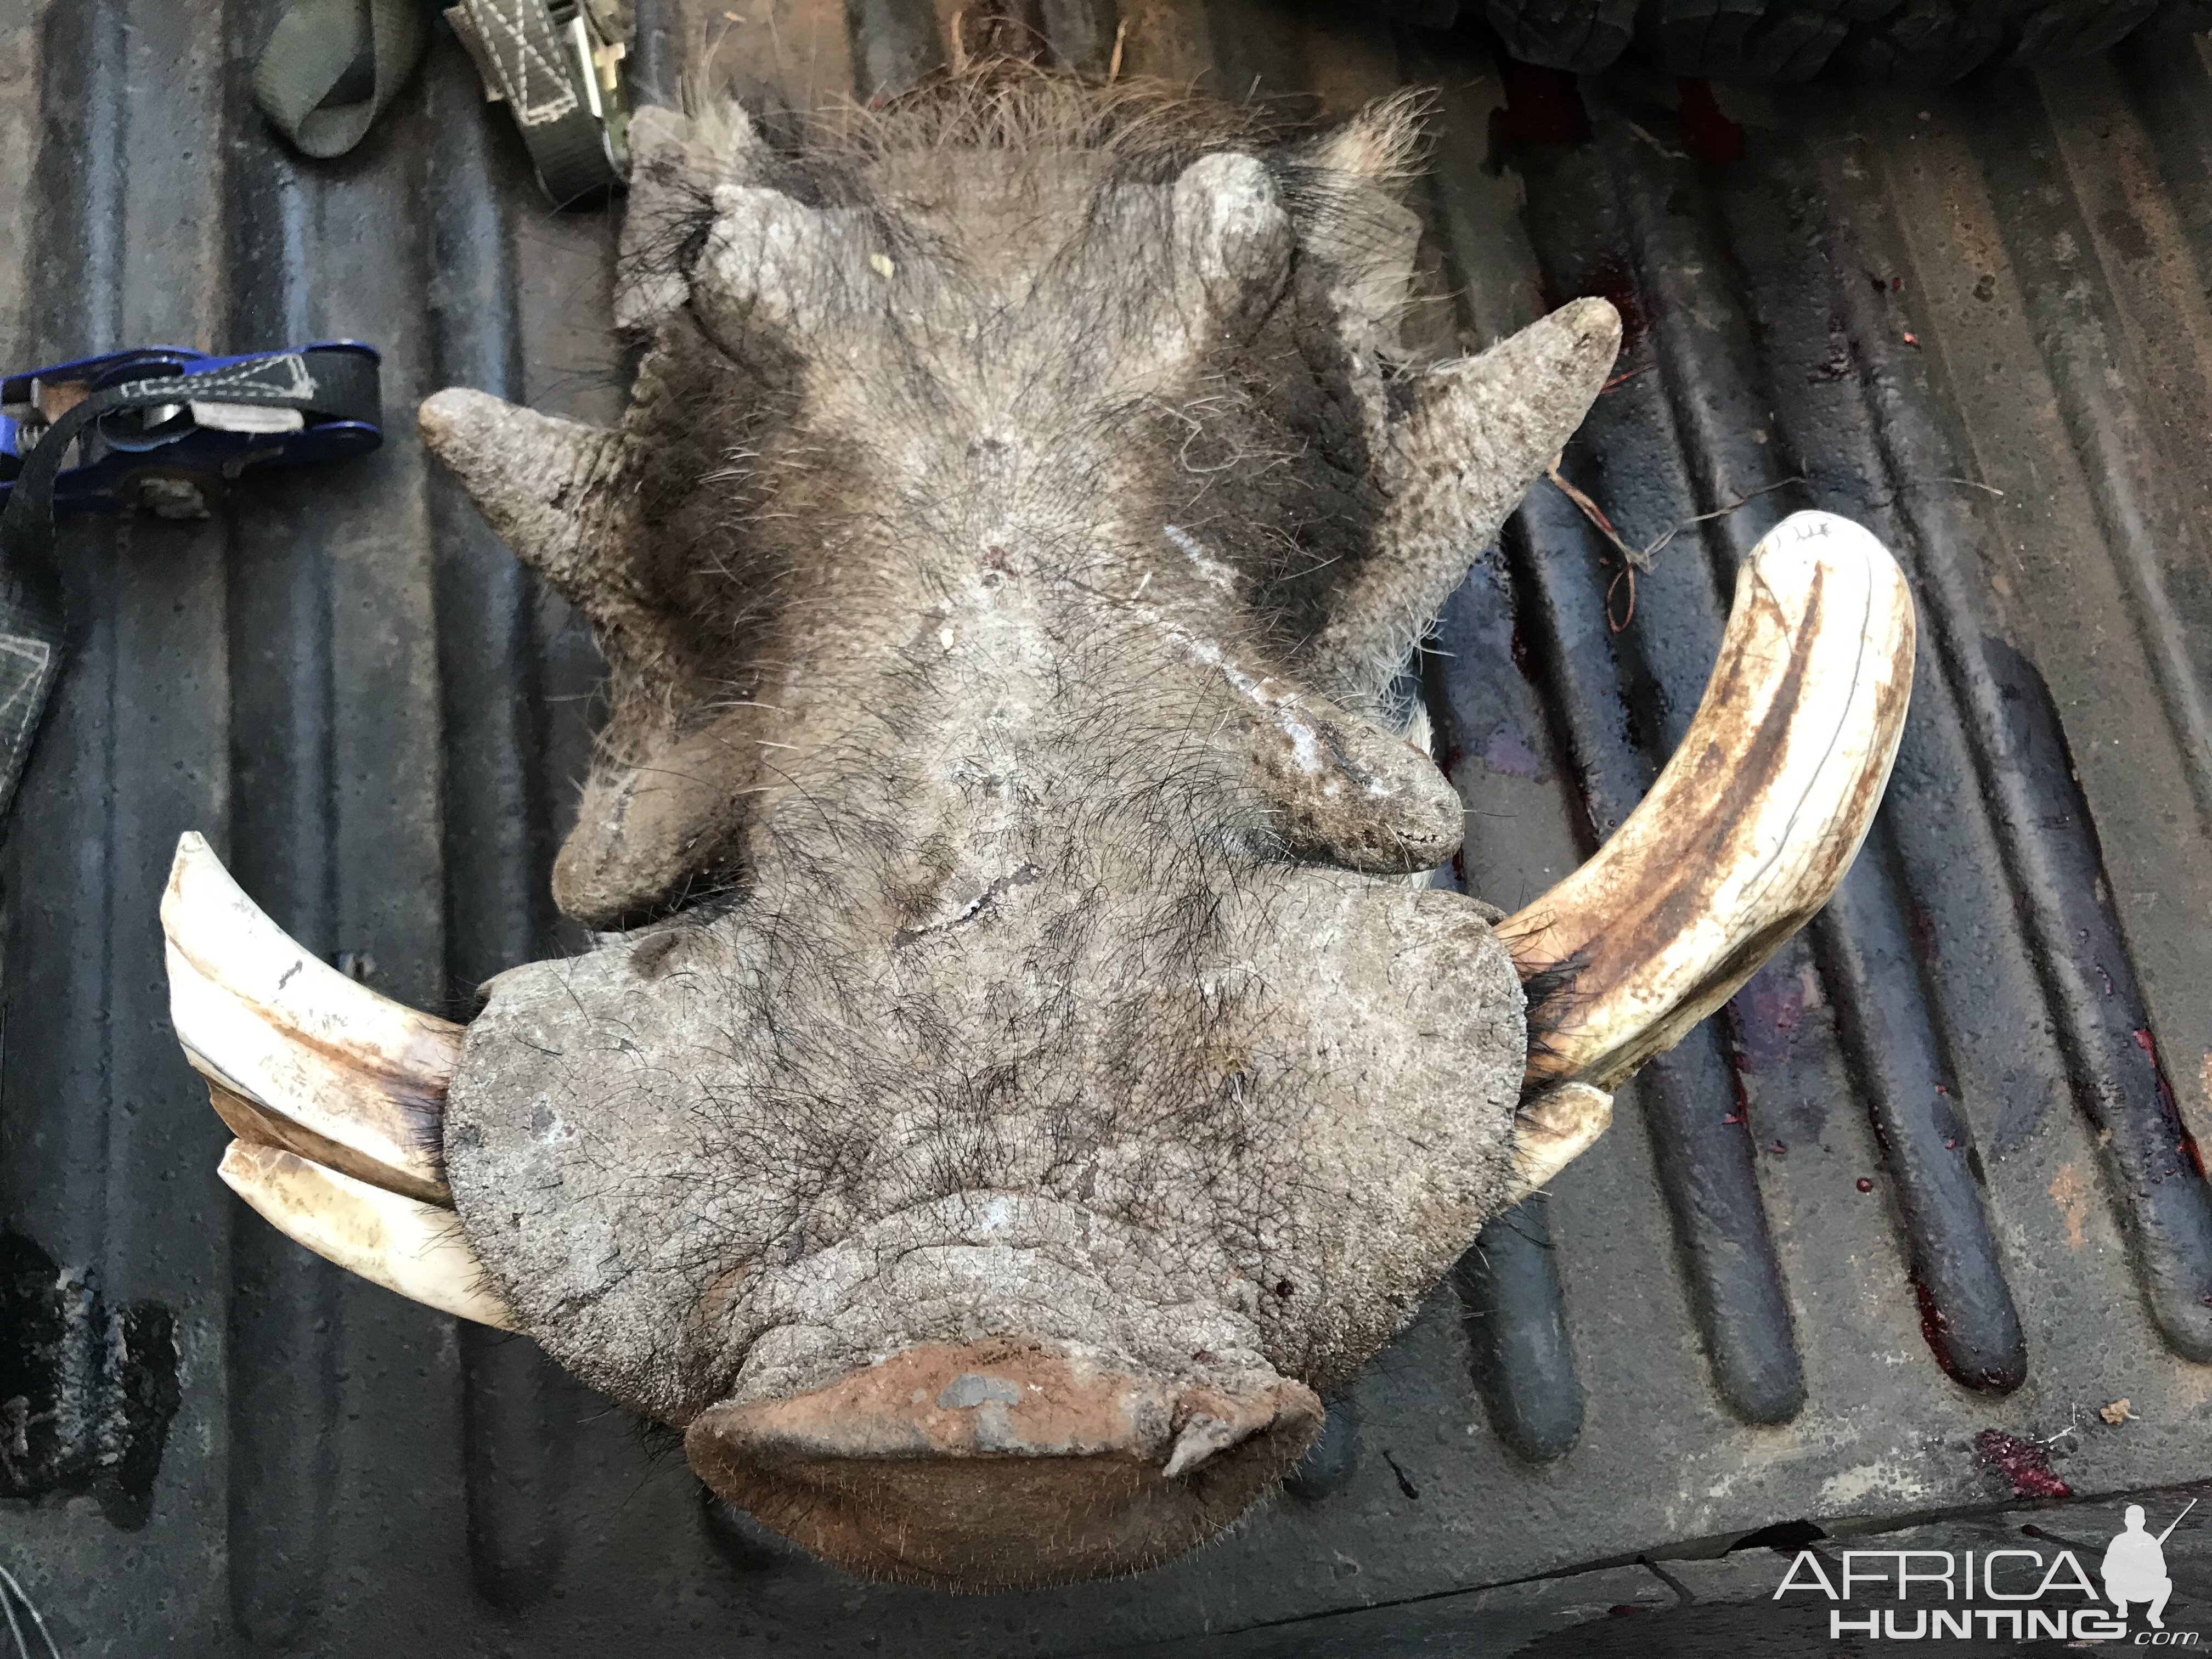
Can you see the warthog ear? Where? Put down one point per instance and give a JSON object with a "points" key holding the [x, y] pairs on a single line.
{"points": [[677, 163], [553, 490], [1378, 146], [561, 496], [1478, 433]]}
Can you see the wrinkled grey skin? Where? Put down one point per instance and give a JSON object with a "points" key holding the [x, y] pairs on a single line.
{"points": [[1020, 519], [737, 1160]]}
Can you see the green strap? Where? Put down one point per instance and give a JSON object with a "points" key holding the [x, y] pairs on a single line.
{"points": [[331, 66]]}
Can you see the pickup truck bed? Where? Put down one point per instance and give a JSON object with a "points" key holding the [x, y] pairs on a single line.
{"points": [[1975, 319]]}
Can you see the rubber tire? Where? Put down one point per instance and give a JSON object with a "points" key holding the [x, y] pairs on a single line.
{"points": [[1793, 40]]}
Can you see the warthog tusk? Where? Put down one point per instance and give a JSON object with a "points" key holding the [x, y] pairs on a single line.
{"points": [[1552, 1131], [295, 1054], [413, 1248], [1755, 819], [336, 1094]]}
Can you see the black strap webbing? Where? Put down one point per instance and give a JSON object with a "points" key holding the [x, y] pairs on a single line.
{"points": [[529, 60], [341, 385]]}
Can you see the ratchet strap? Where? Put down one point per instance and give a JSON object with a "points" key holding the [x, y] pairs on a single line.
{"points": [[553, 65], [331, 384], [331, 66]]}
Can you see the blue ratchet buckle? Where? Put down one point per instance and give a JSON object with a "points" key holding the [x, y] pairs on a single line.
{"points": [[166, 429], [174, 459]]}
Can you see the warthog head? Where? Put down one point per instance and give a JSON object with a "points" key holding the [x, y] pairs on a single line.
{"points": [[1015, 1082]]}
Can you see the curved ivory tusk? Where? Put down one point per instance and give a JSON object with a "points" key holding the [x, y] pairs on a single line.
{"points": [[415, 1249], [295, 1054], [1755, 819], [1552, 1131]]}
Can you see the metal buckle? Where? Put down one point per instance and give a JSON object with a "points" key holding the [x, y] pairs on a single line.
{"points": [[174, 459], [600, 52], [557, 66]]}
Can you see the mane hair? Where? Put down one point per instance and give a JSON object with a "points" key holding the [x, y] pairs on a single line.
{"points": [[1340, 179]]}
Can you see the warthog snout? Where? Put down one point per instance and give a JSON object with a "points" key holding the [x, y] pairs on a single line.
{"points": [[1003, 1463]]}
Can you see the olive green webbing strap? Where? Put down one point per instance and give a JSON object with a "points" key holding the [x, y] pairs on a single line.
{"points": [[331, 66]]}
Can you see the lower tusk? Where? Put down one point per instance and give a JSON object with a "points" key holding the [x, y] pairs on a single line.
{"points": [[1552, 1131], [413, 1248], [337, 1095], [1755, 819], [295, 1054], [1200, 1439]]}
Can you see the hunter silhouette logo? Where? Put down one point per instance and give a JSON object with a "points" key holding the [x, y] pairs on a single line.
{"points": [[2019, 1593], [2134, 1566]]}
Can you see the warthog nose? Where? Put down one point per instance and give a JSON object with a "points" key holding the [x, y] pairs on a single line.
{"points": [[1002, 1464]]}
